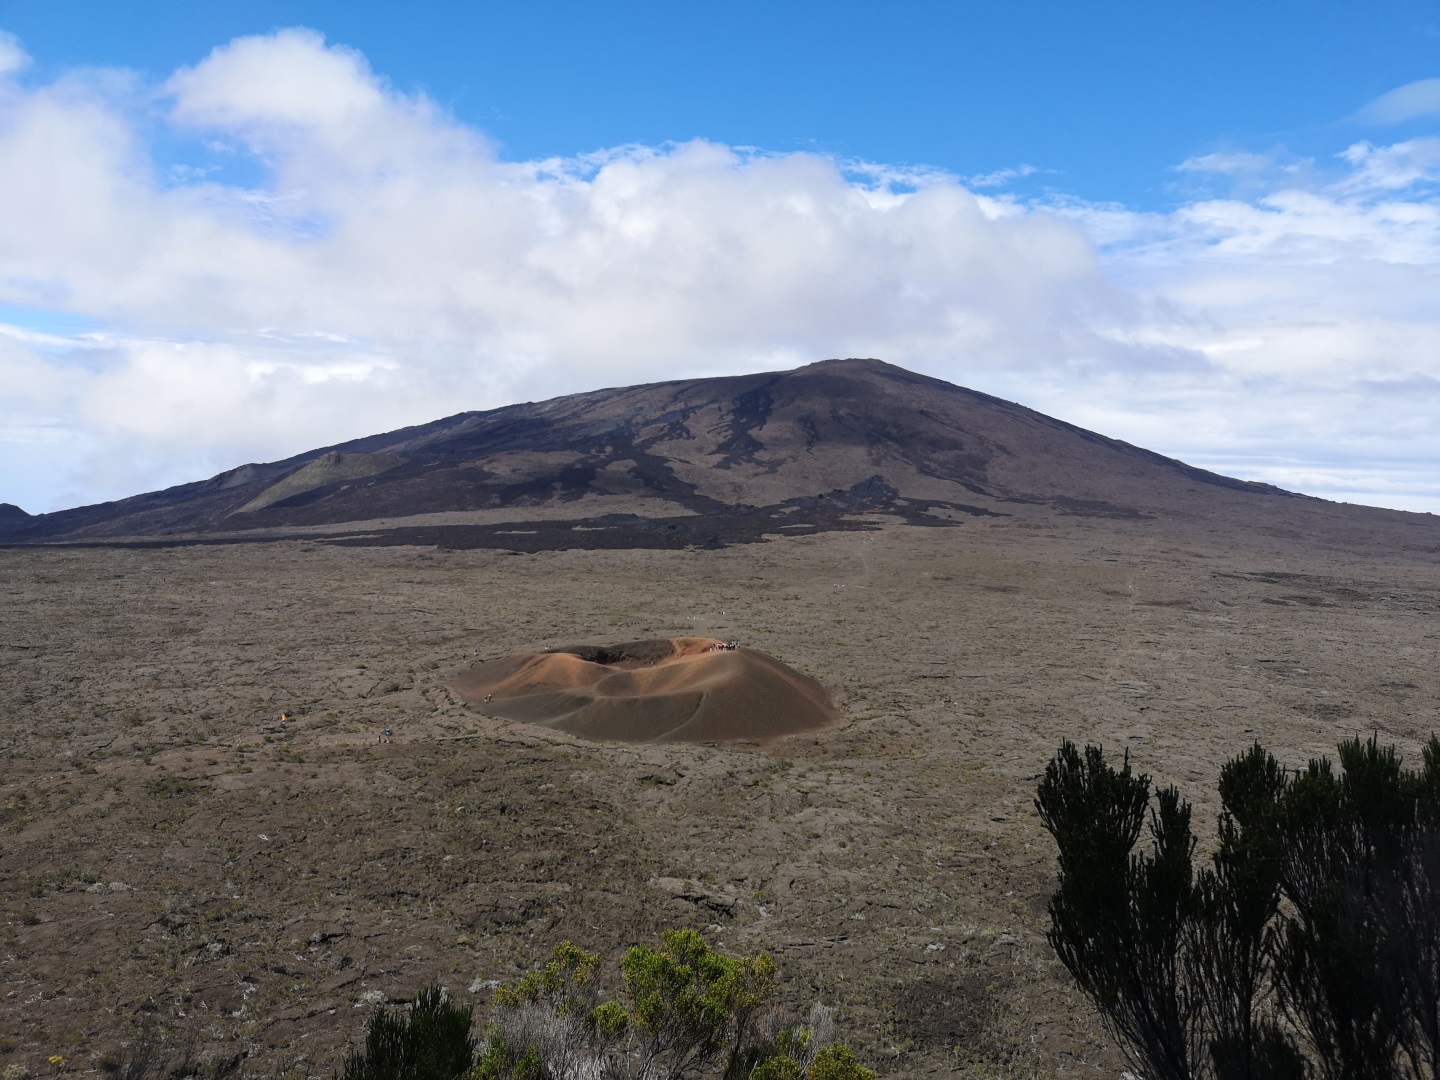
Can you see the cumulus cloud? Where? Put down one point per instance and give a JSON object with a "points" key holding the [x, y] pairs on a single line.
{"points": [[1392, 168], [382, 266]]}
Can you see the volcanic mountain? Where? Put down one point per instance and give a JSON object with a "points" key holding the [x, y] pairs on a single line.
{"points": [[696, 462]]}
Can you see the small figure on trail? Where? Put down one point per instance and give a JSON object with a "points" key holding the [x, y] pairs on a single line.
{"points": [[488, 697], [284, 716]]}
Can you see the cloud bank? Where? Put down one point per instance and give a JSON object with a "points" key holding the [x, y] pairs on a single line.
{"points": [[327, 257]]}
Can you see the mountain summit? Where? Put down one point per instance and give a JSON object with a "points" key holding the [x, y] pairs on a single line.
{"points": [[815, 447]]}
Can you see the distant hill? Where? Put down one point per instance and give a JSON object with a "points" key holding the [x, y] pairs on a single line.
{"points": [[690, 461]]}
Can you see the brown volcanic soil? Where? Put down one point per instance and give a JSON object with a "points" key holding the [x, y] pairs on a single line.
{"points": [[171, 854], [664, 690]]}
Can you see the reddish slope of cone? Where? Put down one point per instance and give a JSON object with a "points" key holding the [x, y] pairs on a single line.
{"points": [[665, 690]]}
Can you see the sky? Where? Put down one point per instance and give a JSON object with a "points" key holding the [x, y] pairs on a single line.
{"points": [[232, 232]]}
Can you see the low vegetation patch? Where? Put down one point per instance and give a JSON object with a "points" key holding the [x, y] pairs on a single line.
{"points": [[686, 1011], [173, 787]]}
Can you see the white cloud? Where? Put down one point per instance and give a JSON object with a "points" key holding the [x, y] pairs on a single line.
{"points": [[1392, 168], [1409, 102], [1001, 177], [12, 54], [290, 77], [1226, 164], [388, 269]]}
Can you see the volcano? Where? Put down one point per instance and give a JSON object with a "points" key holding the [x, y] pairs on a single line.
{"points": [[660, 690], [698, 462]]}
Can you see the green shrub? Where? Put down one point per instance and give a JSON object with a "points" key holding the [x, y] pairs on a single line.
{"points": [[780, 1067], [1312, 938], [429, 1040], [837, 1062], [690, 1005], [688, 1011]]}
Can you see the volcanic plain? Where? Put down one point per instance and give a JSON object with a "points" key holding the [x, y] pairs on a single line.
{"points": [[176, 858]]}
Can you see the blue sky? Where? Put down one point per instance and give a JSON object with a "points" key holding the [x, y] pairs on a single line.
{"points": [[1104, 98], [234, 231]]}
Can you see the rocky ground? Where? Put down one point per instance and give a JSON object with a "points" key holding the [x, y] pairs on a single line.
{"points": [[174, 858]]}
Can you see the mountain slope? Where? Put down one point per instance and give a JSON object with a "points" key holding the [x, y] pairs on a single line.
{"points": [[845, 435]]}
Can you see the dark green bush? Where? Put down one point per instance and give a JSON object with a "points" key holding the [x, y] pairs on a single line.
{"points": [[1309, 945], [1118, 918], [428, 1040]]}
